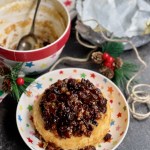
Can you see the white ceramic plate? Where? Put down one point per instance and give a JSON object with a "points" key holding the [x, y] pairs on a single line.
{"points": [[120, 112]]}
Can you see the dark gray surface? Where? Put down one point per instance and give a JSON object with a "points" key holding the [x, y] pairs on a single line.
{"points": [[138, 135]]}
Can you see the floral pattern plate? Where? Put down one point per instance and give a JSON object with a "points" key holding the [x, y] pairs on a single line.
{"points": [[120, 112]]}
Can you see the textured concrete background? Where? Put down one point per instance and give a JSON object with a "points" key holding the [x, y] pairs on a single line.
{"points": [[138, 135]]}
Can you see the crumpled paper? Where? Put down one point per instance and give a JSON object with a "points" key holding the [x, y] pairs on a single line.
{"points": [[123, 18]]}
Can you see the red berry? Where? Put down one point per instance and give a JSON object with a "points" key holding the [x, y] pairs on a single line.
{"points": [[110, 59], [20, 81], [108, 64], [105, 56]]}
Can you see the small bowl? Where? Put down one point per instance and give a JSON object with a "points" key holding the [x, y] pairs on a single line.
{"points": [[52, 26]]}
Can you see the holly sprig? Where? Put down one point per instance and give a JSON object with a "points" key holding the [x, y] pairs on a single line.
{"points": [[112, 66], [13, 82], [113, 48]]}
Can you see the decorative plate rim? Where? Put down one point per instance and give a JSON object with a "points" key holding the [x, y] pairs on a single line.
{"points": [[86, 70]]}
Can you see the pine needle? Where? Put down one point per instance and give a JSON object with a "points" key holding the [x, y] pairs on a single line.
{"points": [[123, 74], [113, 48], [15, 91], [28, 80], [22, 89]]}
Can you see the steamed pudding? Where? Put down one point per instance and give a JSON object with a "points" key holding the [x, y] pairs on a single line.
{"points": [[72, 114]]}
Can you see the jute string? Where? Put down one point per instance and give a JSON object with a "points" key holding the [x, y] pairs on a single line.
{"points": [[135, 93], [71, 59]]}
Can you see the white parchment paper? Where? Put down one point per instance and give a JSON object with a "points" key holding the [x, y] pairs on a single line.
{"points": [[123, 18]]}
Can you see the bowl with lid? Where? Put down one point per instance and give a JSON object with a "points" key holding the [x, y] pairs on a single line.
{"points": [[52, 29]]}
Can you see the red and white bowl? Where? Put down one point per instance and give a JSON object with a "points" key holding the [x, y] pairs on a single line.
{"points": [[52, 24]]}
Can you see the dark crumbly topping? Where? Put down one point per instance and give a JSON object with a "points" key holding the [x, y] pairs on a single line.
{"points": [[107, 137], [72, 107]]}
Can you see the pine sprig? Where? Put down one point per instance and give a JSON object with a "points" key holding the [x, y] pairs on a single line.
{"points": [[17, 67], [123, 74], [113, 48], [28, 80], [16, 90]]}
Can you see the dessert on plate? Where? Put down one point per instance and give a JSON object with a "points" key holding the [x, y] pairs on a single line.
{"points": [[72, 114]]}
